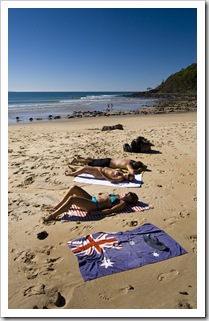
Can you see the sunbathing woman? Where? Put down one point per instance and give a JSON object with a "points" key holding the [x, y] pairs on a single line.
{"points": [[102, 204], [112, 175], [132, 166]]}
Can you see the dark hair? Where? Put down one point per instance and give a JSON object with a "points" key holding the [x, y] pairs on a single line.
{"points": [[137, 165], [134, 198], [131, 177]]}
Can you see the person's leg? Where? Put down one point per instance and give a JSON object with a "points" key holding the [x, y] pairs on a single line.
{"points": [[86, 204], [95, 171], [75, 172], [81, 160], [74, 190]]}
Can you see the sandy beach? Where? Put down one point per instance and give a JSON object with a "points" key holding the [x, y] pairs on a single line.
{"points": [[44, 274]]}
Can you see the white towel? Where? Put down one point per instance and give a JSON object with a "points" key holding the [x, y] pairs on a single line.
{"points": [[90, 179]]}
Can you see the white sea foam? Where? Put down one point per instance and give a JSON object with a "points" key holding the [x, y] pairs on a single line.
{"points": [[28, 105]]}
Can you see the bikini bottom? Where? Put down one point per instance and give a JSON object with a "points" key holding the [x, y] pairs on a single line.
{"points": [[94, 199]]}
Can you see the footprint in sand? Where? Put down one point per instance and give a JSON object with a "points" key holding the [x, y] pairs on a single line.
{"points": [[193, 184], [35, 290], [32, 272], [116, 292], [182, 215], [74, 228], [25, 256], [56, 298], [185, 304], [171, 220], [46, 249], [47, 207], [29, 180], [104, 296], [134, 222], [126, 289], [168, 275], [193, 238], [53, 296], [33, 264]]}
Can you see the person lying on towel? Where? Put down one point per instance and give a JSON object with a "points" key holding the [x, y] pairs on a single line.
{"points": [[110, 174], [102, 204], [134, 167]]}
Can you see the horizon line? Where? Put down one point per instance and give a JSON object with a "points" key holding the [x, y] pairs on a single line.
{"points": [[16, 91]]}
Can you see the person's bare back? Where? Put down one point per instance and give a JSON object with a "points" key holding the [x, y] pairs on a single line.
{"points": [[132, 166]]}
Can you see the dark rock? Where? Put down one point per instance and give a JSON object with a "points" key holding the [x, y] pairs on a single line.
{"points": [[118, 126], [42, 235]]}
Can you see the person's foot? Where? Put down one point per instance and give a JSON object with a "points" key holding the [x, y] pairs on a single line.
{"points": [[68, 173], [48, 218], [74, 161]]}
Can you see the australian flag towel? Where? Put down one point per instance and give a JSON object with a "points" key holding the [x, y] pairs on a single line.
{"points": [[106, 253]]}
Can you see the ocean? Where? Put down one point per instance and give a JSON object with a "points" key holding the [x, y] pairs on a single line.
{"points": [[26, 105]]}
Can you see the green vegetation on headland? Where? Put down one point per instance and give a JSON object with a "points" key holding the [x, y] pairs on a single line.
{"points": [[177, 94], [182, 83]]}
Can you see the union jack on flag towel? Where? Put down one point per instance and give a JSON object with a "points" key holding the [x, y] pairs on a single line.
{"points": [[104, 253]]}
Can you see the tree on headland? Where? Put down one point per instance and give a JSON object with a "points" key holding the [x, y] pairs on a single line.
{"points": [[182, 82]]}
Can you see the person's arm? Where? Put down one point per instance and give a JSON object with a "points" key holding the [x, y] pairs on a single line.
{"points": [[131, 169], [116, 208]]}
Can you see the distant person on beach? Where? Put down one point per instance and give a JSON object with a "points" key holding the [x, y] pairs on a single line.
{"points": [[132, 166], [109, 107], [110, 174], [102, 204]]}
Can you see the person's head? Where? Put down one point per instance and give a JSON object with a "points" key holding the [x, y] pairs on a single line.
{"points": [[139, 165], [130, 198], [129, 177]]}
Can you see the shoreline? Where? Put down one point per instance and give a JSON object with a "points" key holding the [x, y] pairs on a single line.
{"points": [[179, 105], [38, 157], [111, 118]]}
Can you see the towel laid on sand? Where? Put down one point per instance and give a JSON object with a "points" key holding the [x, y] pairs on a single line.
{"points": [[105, 253], [90, 179], [75, 213]]}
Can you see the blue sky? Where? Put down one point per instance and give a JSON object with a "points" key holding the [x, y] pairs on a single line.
{"points": [[98, 49]]}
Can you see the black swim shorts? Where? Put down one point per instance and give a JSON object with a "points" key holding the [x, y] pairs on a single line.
{"points": [[100, 162]]}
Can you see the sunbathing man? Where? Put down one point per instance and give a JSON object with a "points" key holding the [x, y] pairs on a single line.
{"points": [[132, 166], [110, 174], [102, 204]]}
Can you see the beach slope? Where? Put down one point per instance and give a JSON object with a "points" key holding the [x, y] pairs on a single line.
{"points": [[43, 273]]}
